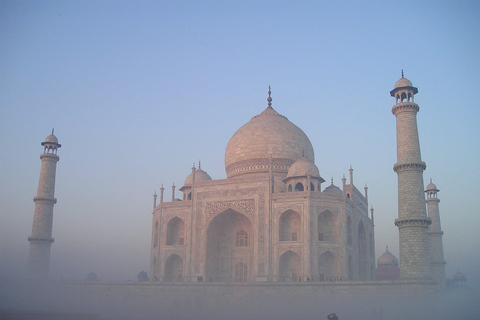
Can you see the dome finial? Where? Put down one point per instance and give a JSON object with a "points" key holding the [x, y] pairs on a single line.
{"points": [[269, 99], [199, 164], [53, 129], [402, 73]]}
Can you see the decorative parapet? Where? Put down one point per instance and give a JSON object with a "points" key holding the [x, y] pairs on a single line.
{"points": [[409, 166]]}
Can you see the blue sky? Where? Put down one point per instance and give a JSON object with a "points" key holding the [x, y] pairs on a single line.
{"points": [[140, 90]]}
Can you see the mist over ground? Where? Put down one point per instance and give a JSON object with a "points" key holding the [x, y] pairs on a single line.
{"points": [[131, 301]]}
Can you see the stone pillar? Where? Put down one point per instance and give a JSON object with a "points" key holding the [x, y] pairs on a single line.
{"points": [[41, 238], [412, 222], [435, 232]]}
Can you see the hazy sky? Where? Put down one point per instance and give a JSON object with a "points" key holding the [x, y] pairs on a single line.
{"points": [[140, 90]]}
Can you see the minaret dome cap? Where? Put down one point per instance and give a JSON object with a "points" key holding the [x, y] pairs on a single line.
{"points": [[403, 83], [432, 187], [51, 140]]}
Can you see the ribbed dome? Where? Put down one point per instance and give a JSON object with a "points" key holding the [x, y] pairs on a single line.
{"points": [[387, 259], [200, 175], [403, 82], [266, 136], [303, 167]]}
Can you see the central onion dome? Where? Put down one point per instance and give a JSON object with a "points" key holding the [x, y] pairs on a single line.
{"points": [[267, 138]]}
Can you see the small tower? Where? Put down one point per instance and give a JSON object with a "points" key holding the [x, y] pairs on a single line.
{"points": [[41, 238], [435, 232], [412, 222]]}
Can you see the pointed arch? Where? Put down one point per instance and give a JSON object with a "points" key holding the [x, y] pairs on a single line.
{"points": [[290, 266], [327, 266], [289, 228], [154, 269], [350, 267], [349, 231], [299, 187], [327, 226], [229, 242], [362, 252], [155, 235], [173, 269], [175, 232]]}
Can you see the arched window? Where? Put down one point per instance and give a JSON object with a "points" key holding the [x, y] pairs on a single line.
{"points": [[241, 239], [241, 272]]}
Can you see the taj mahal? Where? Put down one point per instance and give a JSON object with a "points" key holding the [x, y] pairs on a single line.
{"points": [[269, 220], [272, 226]]}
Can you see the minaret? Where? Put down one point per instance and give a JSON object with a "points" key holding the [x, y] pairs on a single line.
{"points": [[41, 238], [435, 233], [412, 222]]}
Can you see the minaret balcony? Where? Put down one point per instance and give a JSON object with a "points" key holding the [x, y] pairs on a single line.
{"points": [[40, 240], [416, 166], [45, 200], [412, 222], [405, 106]]}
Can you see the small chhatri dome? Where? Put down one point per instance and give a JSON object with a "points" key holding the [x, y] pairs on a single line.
{"points": [[431, 186], [200, 175], [51, 139], [459, 276], [387, 259], [333, 189], [303, 167], [51, 142], [403, 83]]}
